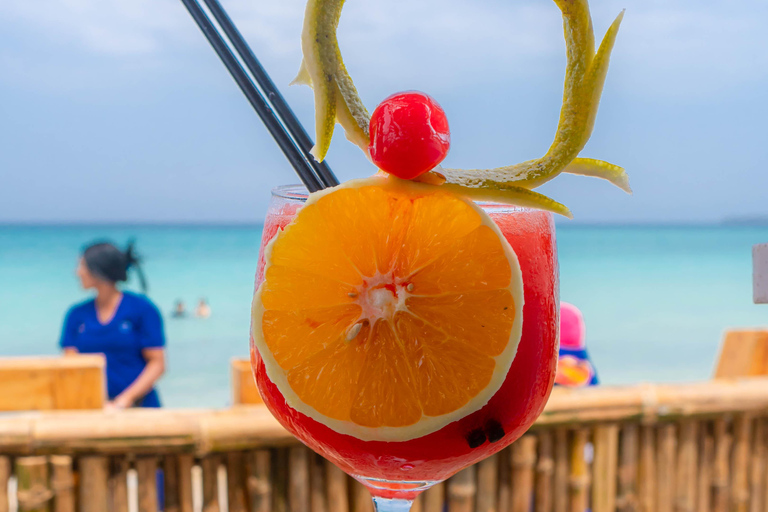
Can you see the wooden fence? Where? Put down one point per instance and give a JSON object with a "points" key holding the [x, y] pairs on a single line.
{"points": [[697, 447]]}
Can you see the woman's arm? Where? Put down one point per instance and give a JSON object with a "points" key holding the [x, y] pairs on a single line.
{"points": [[70, 351], [144, 383]]}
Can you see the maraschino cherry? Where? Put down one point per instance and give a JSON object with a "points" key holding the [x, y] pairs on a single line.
{"points": [[409, 134]]}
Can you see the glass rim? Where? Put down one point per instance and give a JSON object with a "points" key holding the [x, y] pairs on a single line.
{"points": [[299, 193]]}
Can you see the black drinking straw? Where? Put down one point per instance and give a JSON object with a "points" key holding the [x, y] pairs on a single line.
{"points": [[273, 94], [298, 158]]}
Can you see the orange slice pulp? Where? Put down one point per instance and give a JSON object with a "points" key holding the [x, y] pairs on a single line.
{"points": [[389, 309]]}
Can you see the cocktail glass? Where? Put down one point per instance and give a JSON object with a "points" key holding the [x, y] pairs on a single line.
{"points": [[396, 472]]}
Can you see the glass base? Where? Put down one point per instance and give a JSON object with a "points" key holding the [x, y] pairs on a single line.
{"points": [[394, 491]]}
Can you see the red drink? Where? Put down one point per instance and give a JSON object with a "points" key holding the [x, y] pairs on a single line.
{"points": [[419, 462]]}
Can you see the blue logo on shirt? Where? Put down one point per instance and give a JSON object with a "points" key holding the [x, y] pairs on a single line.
{"points": [[81, 329], [126, 326]]}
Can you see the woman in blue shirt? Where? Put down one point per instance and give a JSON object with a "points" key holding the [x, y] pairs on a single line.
{"points": [[126, 327]]}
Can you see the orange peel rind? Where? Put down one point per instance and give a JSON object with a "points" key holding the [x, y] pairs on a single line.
{"points": [[337, 101]]}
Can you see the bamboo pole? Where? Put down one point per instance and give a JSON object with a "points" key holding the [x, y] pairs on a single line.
{"points": [[646, 486], [720, 477], [184, 464], [685, 480], [523, 466], [560, 481], [298, 479], [626, 500], [33, 493], [434, 498], [504, 498], [545, 467], [94, 474], [361, 498], [740, 481], [336, 481], [764, 465], [757, 467], [579, 479], [487, 480], [5, 475], [604, 468], [666, 457], [210, 467], [318, 500], [280, 480], [236, 482], [146, 470], [207, 431], [706, 463], [417, 505], [63, 484], [171, 485], [117, 484], [258, 469], [462, 490]]}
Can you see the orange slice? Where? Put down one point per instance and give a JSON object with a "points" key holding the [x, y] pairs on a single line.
{"points": [[389, 309]]}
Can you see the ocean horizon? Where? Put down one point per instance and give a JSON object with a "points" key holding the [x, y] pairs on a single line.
{"points": [[656, 297]]}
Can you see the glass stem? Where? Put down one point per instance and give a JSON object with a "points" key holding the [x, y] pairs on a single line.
{"points": [[391, 504]]}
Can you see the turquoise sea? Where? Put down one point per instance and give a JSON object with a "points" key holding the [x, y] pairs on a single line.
{"points": [[656, 299]]}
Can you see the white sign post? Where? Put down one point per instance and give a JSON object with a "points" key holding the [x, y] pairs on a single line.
{"points": [[760, 273]]}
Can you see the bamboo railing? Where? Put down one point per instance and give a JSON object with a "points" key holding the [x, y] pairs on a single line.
{"points": [[693, 447]]}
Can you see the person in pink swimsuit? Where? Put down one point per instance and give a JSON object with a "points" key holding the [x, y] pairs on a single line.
{"points": [[574, 368]]}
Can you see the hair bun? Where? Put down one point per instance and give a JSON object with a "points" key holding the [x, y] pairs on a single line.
{"points": [[131, 258]]}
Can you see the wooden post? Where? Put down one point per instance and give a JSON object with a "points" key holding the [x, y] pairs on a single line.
{"points": [[244, 390], [33, 492], [236, 483], [280, 480], [184, 464], [94, 475], [259, 483], [417, 505], [146, 469], [604, 468], [487, 480], [361, 498], [504, 499], [46, 383], [117, 485], [210, 467], [461, 490], [757, 467], [523, 465], [545, 468], [687, 466], [646, 486], [63, 484], [579, 479], [5, 475], [336, 481], [434, 498], [171, 484], [318, 499], [740, 480], [298, 479], [706, 463], [720, 475], [560, 481], [630, 449], [743, 354], [666, 460]]}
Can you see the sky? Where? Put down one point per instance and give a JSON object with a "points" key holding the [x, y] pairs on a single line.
{"points": [[119, 111]]}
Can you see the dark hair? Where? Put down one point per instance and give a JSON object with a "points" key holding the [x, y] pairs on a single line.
{"points": [[105, 261]]}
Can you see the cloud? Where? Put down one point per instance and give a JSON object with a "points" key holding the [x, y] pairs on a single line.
{"points": [[677, 49]]}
